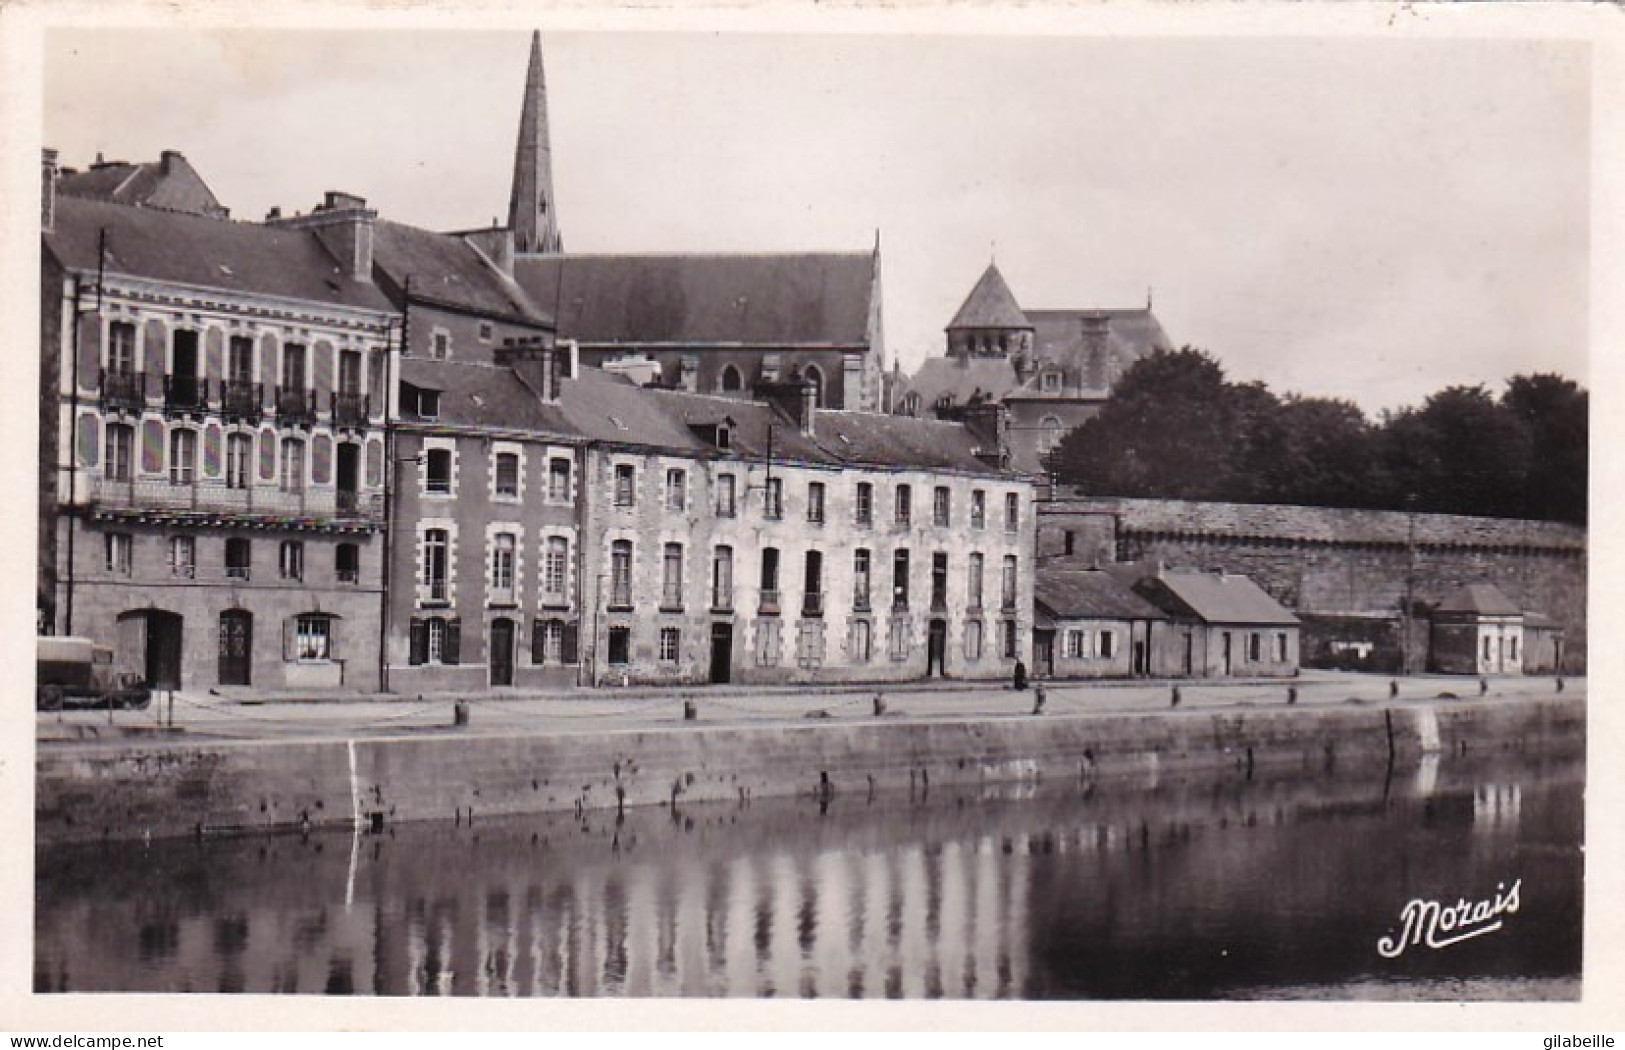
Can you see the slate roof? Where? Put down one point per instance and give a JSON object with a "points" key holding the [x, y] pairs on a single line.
{"points": [[446, 269], [1480, 599], [1216, 598], [960, 378], [206, 252], [171, 183], [1080, 594], [758, 300], [990, 304], [475, 394], [1058, 338]]}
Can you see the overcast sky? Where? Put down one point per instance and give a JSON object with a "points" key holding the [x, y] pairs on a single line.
{"points": [[1362, 219]]}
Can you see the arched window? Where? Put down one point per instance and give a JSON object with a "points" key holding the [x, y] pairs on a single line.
{"points": [[815, 376], [1051, 431], [731, 379]]}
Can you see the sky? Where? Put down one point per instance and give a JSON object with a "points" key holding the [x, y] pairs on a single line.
{"points": [[1357, 218]]}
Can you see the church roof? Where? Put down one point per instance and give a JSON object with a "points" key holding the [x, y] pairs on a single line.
{"points": [[990, 305], [812, 298], [446, 269], [170, 183], [204, 252]]}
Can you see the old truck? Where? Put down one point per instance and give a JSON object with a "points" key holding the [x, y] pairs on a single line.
{"points": [[76, 672]]}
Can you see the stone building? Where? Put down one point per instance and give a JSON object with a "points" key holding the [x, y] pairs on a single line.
{"points": [[1053, 369], [1089, 624], [1476, 629], [215, 439], [1219, 625], [702, 322]]}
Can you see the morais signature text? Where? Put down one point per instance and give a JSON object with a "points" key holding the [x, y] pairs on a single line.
{"points": [[1438, 925]]}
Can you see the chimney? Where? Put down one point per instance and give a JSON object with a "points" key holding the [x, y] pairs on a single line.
{"points": [[1094, 352], [496, 244], [795, 399], [343, 223], [536, 362], [49, 173], [274, 214], [167, 159], [989, 423]]}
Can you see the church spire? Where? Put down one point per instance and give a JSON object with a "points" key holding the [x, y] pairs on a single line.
{"points": [[531, 213]]}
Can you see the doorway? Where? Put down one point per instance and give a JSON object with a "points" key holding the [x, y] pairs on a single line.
{"points": [[502, 635], [1226, 654], [1044, 653], [348, 479], [150, 643], [722, 647], [236, 647], [936, 648], [1140, 669], [1190, 648]]}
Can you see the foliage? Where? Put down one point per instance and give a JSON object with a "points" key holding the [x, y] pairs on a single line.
{"points": [[1175, 428]]}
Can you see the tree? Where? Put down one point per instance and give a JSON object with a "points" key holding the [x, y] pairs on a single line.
{"points": [[1556, 412]]}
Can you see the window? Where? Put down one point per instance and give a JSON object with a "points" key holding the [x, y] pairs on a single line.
{"points": [[488, 331], [1070, 542], [1486, 648], [905, 498], [238, 558], [436, 640], [1051, 434], [941, 506], [722, 579], [183, 556], [440, 344], [120, 446], [507, 475], [620, 574], [428, 403], [1011, 641], [864, 505], [773, 499], [671, 578], [676, 489], [437, 471], [725, 496], [349, 372], [620, 646], [973, 640], [1075, 647], [182, 457], [558, 480], [860, 580], [770, 580], [973, 583], [121, 348], [1052, 381], [812, 588], [899, 579], [1280, 646], [625, 485], [731, 380], [670, 638], [293, 465], [313, 638], [555, 565], [553, 641], [978, 509], [1108, 644], [1255, 646], [1008, 591], [239, 454], [1512, 648], [815, 502], [347, 563], [291, 560], [436, 561], [1012, 512], [503, 545], [939, 581], [120, 553], [293, 367]]}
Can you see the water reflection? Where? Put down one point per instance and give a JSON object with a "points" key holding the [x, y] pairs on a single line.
{"points": [[1178, 888]]}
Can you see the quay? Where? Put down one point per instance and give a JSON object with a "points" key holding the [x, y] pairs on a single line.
{"points": [[237, 765]]}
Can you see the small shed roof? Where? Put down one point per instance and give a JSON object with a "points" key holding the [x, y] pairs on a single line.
{"points": [[1085, 594], [1217, 598], [1481, 599]]}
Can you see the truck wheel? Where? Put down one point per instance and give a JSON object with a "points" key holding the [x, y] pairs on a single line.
{"points": [[50, 698]]}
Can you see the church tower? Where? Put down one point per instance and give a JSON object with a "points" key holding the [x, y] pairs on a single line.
{"points": [[990, 323], [531, 213]]}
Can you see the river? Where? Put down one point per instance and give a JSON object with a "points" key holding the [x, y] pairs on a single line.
{"points": [[1143, 887]]}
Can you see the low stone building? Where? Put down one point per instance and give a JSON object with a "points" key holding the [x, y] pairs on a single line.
{"points": [[1219, 625], [1476, 629], [1088, 624]]}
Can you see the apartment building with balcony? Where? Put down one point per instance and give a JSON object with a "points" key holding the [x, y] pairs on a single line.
{"points": [[213, 425]]}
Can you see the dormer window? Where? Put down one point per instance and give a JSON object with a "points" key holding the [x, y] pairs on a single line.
{"points": [[1051, 381], [724, 436]]}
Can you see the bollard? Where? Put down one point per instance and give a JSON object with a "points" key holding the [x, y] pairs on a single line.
{"points": [[1291, 698], [1560, 685], [1038, 700], [880, 704], [1174, 699], [1483, 686], [691, 711], [459, 713], [1393, 689]]}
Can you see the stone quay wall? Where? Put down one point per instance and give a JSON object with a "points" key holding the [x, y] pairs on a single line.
{"points": [[162, 787], [1330, 564]]}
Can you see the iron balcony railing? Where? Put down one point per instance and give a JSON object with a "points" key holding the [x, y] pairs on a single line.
{"points": [[242, 400], [214, 496], [351, 410], [434, 592], [296, 405], [124, 391], [186, 395]]}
